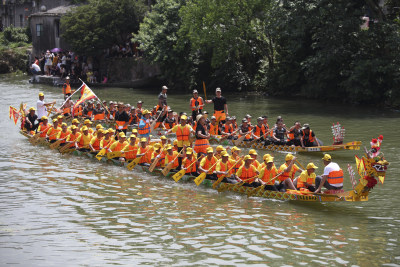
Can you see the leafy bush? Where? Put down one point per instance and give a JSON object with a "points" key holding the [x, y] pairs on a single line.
{"points": [[12, 34]]}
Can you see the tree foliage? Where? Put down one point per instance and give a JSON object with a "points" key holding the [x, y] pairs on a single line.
{"points": [[99, 24]]}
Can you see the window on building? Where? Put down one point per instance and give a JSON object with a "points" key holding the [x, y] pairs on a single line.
{"points": [[21, 20], [57, 28], [39, 30]]}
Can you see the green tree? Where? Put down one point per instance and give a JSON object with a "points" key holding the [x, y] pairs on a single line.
{"points": [[100, 23]]}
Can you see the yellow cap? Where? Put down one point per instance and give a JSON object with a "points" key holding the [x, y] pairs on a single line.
{"points": [[270, 160], [219, 148], [145, 112], [75, 121], [84, 128], [233, 149], [100, 131], [60, 117], [327, 157], [55, 120], [88, 121], [132, 136], [210, 150], [163, 137], [183, 117], [99, 126], [110, 131], [189, 152], [32, 108], [134, 131], [266, 156], [43, 118], [143, 139], [224, 154], [121, 134], [157, 145], [168, 147], [73, 127], [247, 157], [63, 124], [289, 157], [189, 149], [41, 94], [311, 166], [253, 152], [175, 142]]}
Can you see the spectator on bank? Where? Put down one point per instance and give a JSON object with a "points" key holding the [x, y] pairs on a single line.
{"points": [[35, 69], [48, 62]]}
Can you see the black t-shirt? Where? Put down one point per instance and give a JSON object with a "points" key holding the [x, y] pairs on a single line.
{"points": [[201, 129], [98, 111], [280, 133], [219, 103], [32, 119], [121, 117], [306, 136]]}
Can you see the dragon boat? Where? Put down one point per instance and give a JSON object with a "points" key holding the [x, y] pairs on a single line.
{"points": [[371, 168]]}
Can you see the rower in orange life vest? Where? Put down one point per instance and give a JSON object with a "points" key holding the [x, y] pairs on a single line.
{"points": [[220, 106], [53, 131], [306, 180], [130, 150], [82, 143], [248, 174], [288, 170], [170, 121], [88, 111], [71, 139], [63, 135], [214, 126], [268, 173], [67, 107], [95, 142], [144, 125], [120, 144], [258, 132], [235, 157], [108, 139], [207, 164], [66, 88], [294, 135], [121, 119], [196, 104], [245, 129], [188, 160], [172, 157], [99, 112], [157, 154], [332, 179], [253, 154], [145, 152], [223, 167], [228, 129], [308, 137], [43, 127]]}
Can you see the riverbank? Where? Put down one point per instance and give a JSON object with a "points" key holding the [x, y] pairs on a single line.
{"points": [[14, 59]]}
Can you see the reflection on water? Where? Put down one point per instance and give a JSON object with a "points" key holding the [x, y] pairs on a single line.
{"points": [[60, 208]]}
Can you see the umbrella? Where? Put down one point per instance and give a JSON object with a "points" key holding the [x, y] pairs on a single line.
{"points": [[56, 50]]}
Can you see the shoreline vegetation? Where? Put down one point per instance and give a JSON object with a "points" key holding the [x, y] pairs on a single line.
{"points": [[345, 53]]}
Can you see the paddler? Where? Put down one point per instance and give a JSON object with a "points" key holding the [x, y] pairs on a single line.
{"points": [[74, 122], [108, 139], [172, 156], [135, 132], [67, 107], [258, 132], [247, 173], [43, 126], [220, 106], [202, 136], [294, 134], [139, 108], [99, 113], [145, 152], [214, 126], [88, 124], [30, 122], [71, 139], [227, 128], [332, 179], [223, 167], [306, 180], [131, 149], [253, 154], [121, 119], [144, 125], [88, 111], [308, 137], [182, 131], [268, 173], [245, 129], [120, 144], [83, 141], [98, 127], [196, 104], [288, 170], [280, 134], [95, 142], [60, 119], [170, 121], [53, 131], [157, 154], [63, 135], [164, 141], [235, 157], [42, 106], [218, 151], [111, 111], [207, 164], [66, 88], [187, 162]]}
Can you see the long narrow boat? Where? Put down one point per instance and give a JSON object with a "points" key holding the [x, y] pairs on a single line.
{"points": [[371, 170]]}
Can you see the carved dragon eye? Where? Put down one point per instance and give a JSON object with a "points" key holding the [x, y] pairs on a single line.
{"points": [[379, 168]]}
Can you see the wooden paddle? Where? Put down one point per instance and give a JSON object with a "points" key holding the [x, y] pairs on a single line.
{"points": [[182, 172], [301, 165], [51, 109], [167, 168], [66, 147], [56, 144], [153, 124], [205, 92], [199, 179], [136, 161], [216, 183], [33, 138], [261, 187], [227, 135], [155, 161], [101, 154], [240, 139]]}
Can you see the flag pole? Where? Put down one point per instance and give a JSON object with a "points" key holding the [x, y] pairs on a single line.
{"points": [[68, 98], [105, 108]]}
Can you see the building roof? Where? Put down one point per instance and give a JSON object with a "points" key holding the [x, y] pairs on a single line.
{"points": [[57, 11]]}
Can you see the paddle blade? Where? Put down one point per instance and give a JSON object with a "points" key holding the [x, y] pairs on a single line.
{"points": [[153, 165], [216, 183], [199, 179], [55, 144], [166, 170], [114, 154], [133, 164], [101, 154], [179, 175]]}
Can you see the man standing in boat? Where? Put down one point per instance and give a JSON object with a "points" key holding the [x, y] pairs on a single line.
{"points": [[196, 104], [332, 179], [162, 98], [66, 88], [42, 106], [220, 106]]}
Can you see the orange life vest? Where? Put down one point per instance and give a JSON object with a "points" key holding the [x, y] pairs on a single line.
{"points": [[96, 144], [73, 137], [64, 135], [67, 111], [182, 134], [228, 128], [268, 175], [248, 173], [99, 116], [146, 129], [43, 129], [289, 174], [310, 137], [53, 132], [130, 151], [84, 140], [172, 158], [66, 88], [208, 163], [119, 146], [213, 129], [121, 123], [335, 178], [146, 158], [199, 103], [107, 142], [259, 131], [310, 180], [224, 167], [186, 163]]}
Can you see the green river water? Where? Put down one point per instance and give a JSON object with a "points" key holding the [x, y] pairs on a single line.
{"points": [[62, 210]]}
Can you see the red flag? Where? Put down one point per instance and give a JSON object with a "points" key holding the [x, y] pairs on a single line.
{"points": [[11, 112], [86, 94], [15, 116]]}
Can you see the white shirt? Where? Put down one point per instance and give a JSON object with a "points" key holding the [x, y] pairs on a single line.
{"points": [[35, 67], [330, 168], [41, 109]]}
